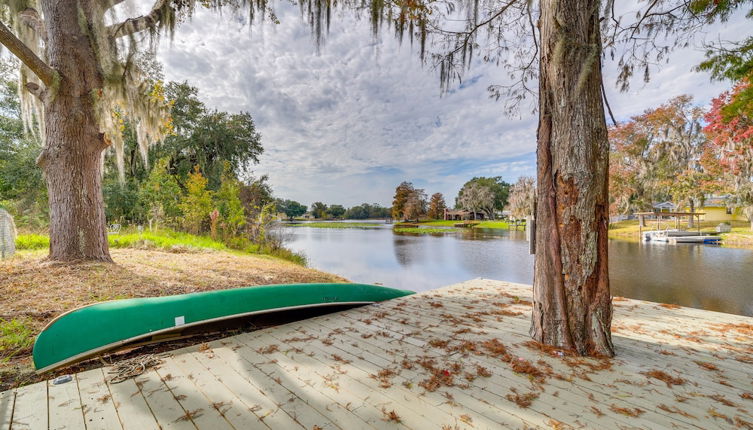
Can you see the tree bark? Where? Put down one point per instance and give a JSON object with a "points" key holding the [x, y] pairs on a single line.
{"points": [[691, 221], [572, 305], [71, 158]]}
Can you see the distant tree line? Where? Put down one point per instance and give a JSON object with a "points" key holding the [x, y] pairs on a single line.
{"points": [[293, 209], [478, 195]]}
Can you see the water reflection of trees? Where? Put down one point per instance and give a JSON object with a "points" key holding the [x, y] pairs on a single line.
{"points": [[405, 250]]}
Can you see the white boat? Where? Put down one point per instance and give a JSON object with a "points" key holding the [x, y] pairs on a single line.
{"points": [[664, 235]]}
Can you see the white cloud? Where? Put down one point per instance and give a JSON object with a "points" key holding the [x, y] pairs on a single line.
{"points": [[348, 124]]}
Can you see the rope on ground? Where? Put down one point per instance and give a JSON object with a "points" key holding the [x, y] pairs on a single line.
{"points": [[133, 367]]}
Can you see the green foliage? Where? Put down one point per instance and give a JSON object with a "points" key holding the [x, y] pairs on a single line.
{"points": [[367, 211], [496, 185], [228, 203], [32, 241], [290, 208], [164, 239], [319, 210], [22, 187], [448, 223], [492, 225], [286, 254], [196, 203], [336, 211], [423, 230], [255, 195], [16, 336], [160, 195], [211, 139], [122, 201], [173, 241]]}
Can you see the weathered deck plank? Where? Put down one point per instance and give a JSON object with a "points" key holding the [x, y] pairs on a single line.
{"points": [[96, 400], [166, 410], [7, 398], [216, 394], [65, 406], [454, 358], [30, 407], [252, 397], [132, 408]]}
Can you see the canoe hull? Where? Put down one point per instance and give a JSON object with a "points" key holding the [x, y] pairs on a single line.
{"points": [[102, 327]]}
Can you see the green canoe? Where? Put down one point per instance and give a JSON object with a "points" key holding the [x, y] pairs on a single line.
{"points": [[100, 327]]}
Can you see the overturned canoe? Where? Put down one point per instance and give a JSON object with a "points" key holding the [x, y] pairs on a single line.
{"points": [[93, 329]]}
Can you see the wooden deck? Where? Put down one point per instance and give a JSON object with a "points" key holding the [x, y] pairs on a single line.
{"points": [[454, 358]]}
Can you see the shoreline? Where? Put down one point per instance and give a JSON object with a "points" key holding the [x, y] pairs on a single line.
{"points": [[741, 236], [33, 292]]}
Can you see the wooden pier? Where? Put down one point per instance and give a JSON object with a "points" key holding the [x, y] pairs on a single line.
{"points": [[454, 358]]}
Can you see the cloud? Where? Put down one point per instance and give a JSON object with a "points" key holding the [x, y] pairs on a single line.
{"points": [[347, 124]]}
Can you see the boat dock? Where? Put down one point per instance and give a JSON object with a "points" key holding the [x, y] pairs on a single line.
{"points": [[454, 358]]}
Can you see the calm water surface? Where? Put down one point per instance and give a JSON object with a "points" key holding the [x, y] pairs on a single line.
{"points": [[701, 276]]}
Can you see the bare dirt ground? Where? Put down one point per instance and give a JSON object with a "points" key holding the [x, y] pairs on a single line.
{"points": [[34, 292]]}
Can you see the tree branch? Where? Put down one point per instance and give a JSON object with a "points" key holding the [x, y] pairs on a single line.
{"points": [[135, 25], [606, 102], [44, 72]]}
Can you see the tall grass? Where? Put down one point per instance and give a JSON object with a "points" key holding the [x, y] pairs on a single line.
{"points": [[16, 336], [170, 240], [163, 239], [32, 241]]}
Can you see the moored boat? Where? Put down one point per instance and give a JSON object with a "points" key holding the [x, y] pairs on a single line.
{"points": [[85, 332]]}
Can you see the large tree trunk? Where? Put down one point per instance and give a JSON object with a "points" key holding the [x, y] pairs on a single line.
{"points": [[572, 305], [691, 220], [71, 158]]}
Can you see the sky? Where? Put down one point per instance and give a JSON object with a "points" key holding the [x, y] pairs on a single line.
{"points": [[345, 125]]}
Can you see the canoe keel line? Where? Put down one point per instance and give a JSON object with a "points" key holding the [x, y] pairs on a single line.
{"points": [[98, 328]]}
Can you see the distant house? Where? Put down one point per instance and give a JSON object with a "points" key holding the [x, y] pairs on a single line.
{"points": [[717, 208], [665, 207], [461, 215], [308, 215]]}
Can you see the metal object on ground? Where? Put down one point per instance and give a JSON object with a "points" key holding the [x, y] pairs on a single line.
{"points": [[62, 379]]}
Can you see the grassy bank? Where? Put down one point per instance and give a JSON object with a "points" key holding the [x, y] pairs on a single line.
{"points": [[479, 224], [424, 230], [33, 291], [335, 224], [168, 240], [741, 235]]}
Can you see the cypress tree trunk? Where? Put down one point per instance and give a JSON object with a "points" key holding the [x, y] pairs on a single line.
{"points": [[572, 306], [71, 158]]}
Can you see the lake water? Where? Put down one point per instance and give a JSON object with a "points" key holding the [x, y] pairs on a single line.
{"points": [[700, 276]]}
